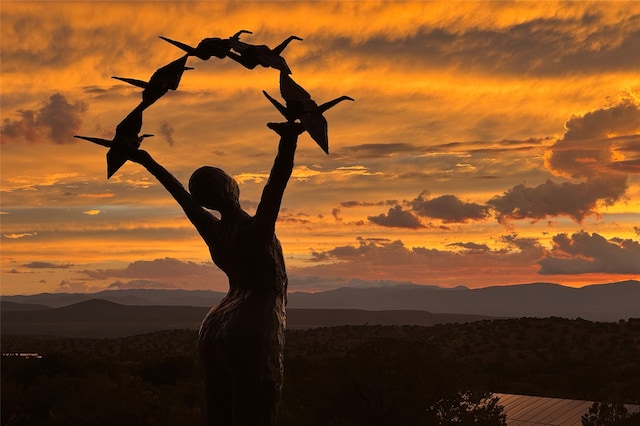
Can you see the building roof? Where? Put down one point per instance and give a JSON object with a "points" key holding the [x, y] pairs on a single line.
{"points": [[524, 410]]}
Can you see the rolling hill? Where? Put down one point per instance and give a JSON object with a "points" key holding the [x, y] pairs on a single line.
{"points": [[102, 318]]}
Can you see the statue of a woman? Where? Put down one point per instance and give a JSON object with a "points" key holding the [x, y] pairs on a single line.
{"points": [[241, 339]]}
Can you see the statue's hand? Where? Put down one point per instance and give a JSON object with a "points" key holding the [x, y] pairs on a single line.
{"points": [[288, 129]]}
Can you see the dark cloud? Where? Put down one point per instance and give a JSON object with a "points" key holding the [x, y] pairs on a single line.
{"points": [[350, 252], [579, 159], [576, 200], [599, 147], [368, 204], [387, 257], [471, 247], [74, 287], [522, 244], [398, 218], [95, 90], [627, 166], [594, 141], [158, 268], [623, 118], [167, 132], [47, 265], [591, 253], [449, 208], [57, 120], [538, 47], [488, 146], [415, 175], [299, 218], [317, 256], [368, 249], [163, 273]]}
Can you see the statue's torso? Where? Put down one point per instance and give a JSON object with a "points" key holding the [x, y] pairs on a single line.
{"points": [[253, 311], [251, 261]]}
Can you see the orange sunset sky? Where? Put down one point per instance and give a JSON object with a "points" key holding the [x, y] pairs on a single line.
{"points": [[490, 143]]}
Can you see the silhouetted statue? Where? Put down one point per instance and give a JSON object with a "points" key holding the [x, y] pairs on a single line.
{"points": [[250, 55], [241, 339], [208, 47], [125, 140], [301, 107], [164, 79]]}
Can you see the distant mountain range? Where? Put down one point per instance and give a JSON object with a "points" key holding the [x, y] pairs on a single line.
{"points": [[598, 302], [112, 313]]}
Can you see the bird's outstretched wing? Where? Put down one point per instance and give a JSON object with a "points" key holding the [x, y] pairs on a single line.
{"points": [[99, 141], [115, 155], [115, 160], [325, 106], [133, 81], [283, 110], [190, 50]]}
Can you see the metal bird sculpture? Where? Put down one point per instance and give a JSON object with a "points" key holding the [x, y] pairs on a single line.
{"points": [[208, 47], [250, 55], [125, 140], [300, 106], [164, 79]]}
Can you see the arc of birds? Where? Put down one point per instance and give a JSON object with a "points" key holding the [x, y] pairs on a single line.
{"points": [[298, 102]]}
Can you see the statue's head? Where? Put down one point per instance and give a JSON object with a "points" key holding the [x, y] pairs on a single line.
{"points": [[214, 189]]}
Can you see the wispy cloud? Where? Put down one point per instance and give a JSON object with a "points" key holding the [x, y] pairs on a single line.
{"points": [[47, 265], [15, 236], [167, 132]]}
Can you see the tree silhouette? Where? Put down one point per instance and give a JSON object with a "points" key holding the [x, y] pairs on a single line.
{"points": [[610, 414], [467, 408]]}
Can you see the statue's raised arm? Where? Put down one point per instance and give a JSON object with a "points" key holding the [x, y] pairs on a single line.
{"points": [[267, 212], [204, 222]]}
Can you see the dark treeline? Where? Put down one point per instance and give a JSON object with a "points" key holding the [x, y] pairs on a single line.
{"points": [[349, 375]]}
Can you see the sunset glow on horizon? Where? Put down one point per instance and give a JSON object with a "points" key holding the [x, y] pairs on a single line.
{"points": [[490, 143]]}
